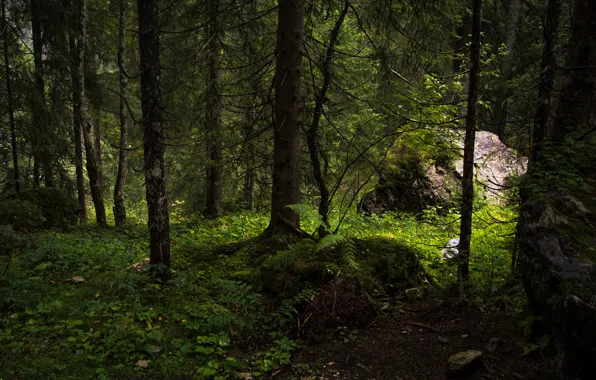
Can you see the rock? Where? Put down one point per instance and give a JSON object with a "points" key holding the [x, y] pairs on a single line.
{"points": [[143, 363], [242, 375], [442, 340], [415, 293], [492, 345], [556, 260], [451, 249], [141, 265], [463, 364], [76, 279], [385, 307], [412, 186], [464, 336]]}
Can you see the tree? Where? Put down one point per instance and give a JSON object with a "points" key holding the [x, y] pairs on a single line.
{"points": [[577, 105], [510, 36], [214, 189], [81, 123], [9, 95], [153, 138], [313, 129], [119, 208], [41, 128], [465, 234], [548, 67], [288, 104]]}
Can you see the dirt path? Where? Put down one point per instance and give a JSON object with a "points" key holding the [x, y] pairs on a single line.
{"points": [[414, 344]]}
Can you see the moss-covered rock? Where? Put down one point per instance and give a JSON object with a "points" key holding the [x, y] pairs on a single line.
{"points": [[23, 216]]}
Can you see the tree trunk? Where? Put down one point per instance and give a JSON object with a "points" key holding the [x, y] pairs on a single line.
{"points": [[78, 112], [465, 234], [501, 103], [94, 177], [577, 106], [98, 156], [155, 185], [41, 127], [13, 131], [548, 68], [249, 176], [85, 126], [313, 130], [213, 116], [119, 208], [288, 105]]}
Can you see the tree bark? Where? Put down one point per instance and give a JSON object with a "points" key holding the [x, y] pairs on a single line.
{"points": [[313, 130], [78, 111], [94, 177], [153, 139], [13, 131], [548, 68], [465, 234], [98, 156], [288, 105], [41, 127], [501, 103], [119, 208], [577, 104], [214, 189], [92, 166]]}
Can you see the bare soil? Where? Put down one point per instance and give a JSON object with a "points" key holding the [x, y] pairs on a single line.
{"points": [[414, 342]]}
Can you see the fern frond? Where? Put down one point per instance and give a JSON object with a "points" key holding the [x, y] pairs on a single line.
{"points": [[348, 251], [330, 241]]}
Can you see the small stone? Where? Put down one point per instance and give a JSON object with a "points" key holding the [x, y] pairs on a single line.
{"points": [[464, 336], [144, 363], [79, 352], [493, 345], [242, 375], [463, 364], [442, 339], [77, 279], [385, 307]]}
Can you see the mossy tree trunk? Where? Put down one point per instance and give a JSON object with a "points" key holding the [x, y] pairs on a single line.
{"points": [[13, 131]]}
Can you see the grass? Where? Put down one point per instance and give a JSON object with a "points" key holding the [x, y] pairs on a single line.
{"points": [[52, 325]]}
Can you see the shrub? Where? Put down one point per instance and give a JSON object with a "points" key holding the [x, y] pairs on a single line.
{"points": [[22, 215], [57, 207]]}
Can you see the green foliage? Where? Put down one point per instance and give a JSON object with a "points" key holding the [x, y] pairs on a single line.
{"points": [[58, 208], [22, 215]]}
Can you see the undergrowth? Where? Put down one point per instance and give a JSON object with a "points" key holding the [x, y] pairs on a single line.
{"points": [[72, 308]]}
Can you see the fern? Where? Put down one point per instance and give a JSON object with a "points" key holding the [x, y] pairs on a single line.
{"points": [[237, 295], [348, 251], [330, 241], [287, 311], [285, 259]]}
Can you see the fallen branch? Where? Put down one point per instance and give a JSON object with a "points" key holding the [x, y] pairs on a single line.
{"points": [[424, 326]]}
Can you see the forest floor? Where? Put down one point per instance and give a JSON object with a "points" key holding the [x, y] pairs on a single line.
{"points": [[415, 343], [73, 307]]}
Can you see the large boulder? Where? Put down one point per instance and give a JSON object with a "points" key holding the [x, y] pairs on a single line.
{"points": [[557, 256], [414, 184]]}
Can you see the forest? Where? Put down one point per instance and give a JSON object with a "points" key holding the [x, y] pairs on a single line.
{"points": [[298, 189]]}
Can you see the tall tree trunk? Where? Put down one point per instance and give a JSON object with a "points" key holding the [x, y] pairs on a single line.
{"points": [[13, 131], [98, 156], [78, 111], [119, 208], [313, 130], [288, 104], [501, 103], [249, 178], [40, 123], [465, 234], [92, 165], [94, 176], [153, 139], [213, 116], [548, 68], [577, 105]]}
